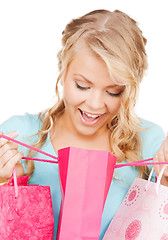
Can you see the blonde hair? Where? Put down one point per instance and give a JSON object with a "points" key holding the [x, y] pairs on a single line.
{"points": [[117, 39]]}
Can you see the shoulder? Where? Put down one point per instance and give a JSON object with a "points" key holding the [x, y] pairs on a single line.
{"points": [[152, 137], [151, 129], [27, 124]]}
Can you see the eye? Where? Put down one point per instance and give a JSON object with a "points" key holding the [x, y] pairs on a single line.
{"points": [[114, 94], [81, 87]]}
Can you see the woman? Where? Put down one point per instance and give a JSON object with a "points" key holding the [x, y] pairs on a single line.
{"points": [[101, 63]]}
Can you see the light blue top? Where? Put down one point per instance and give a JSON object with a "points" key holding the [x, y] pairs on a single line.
{"points": [[47, 173]]}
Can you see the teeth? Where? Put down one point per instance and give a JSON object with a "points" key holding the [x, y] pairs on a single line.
{"points": [[91, 115]]}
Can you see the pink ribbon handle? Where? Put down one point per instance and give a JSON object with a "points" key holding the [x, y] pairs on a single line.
{"points": [[32, 148], [144, 162], [15, 183]]}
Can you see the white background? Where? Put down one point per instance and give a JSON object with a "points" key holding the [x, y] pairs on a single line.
{"points": [[30, 37]]}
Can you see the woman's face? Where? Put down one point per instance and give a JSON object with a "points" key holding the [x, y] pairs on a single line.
{"points": [[91, 98]]}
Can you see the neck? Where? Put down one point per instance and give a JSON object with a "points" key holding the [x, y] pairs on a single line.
{"points": [[63, 135]]}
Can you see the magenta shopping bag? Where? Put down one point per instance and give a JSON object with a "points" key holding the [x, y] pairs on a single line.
{"points": [[143, 213], [85, 177], [25, 211]]}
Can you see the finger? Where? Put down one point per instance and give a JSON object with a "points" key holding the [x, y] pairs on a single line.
{"points": [[161, 158], [1, 133], [7, 170], [13, 135], [156, 167], [158, 158], [165, 154], [8, 146], [165, 149], [19, 169], [7, 156]]}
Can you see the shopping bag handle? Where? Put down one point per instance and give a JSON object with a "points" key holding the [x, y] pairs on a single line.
{"points": [[15, 183], [149, 179], [144, 162], [158, 179], [32, 148]]}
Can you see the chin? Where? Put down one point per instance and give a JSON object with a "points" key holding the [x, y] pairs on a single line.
{"points": [[88, 132]]}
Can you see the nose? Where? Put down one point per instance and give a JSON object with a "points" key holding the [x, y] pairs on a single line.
{"points": [[95, 101]]}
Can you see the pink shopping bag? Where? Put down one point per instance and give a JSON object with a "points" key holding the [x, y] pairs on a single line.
{"points": [[25, 211], [85, 177], [143, 213]]}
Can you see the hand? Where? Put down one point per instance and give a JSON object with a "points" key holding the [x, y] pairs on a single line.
{"points": [[9, 158], [162, 156]]}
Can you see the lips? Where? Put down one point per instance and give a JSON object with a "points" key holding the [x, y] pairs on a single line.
{"points": [[88, 118]]}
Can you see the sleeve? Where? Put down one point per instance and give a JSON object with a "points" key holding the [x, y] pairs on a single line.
{"points": [[10, 125], [25, 125], [152, 137]]}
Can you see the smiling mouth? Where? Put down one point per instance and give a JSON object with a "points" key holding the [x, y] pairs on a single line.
{"points": [[88, 118]]}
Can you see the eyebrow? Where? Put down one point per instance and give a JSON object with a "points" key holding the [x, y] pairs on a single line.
{"points": [[111, 86]]}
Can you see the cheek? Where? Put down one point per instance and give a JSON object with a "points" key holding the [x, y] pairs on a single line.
{"points": [[72, 97], [114, 106]]}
